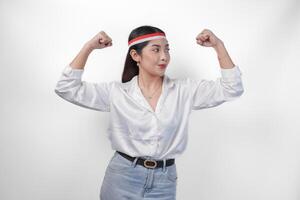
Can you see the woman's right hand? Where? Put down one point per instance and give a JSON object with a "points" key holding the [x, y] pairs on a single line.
{"points": [[100, 41]]}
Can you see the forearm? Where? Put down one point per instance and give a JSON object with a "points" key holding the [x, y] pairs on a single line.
{"points": [[223, 56], [80, 60]]}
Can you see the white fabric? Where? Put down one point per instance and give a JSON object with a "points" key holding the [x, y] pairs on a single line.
{"points": [[134, 128]]}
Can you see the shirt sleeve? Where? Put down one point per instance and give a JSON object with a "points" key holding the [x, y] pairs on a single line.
{"points": [[95, 96], [210, 93]]}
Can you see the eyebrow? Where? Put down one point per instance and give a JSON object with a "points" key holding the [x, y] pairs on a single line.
{"points": [[158, 45]]}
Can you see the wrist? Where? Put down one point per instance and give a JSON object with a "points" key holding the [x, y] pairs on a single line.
{"points": [[219, 46], [87, 47]]}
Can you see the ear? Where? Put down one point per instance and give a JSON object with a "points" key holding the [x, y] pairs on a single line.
{"points": [[135, 56]]}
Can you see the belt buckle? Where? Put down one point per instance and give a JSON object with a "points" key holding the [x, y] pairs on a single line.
{"points": [[150, 166]]}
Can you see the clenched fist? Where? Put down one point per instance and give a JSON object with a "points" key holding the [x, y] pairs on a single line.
{"points": [[207, 38], [99, 41]]}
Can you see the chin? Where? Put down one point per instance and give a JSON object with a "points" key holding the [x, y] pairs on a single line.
{"points": [[161, 74]]}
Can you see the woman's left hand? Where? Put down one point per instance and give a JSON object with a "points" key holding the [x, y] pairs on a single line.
{"points": [[208, 39]]}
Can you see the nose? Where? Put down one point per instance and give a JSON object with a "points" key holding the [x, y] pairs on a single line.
{"points": [[164, 56]]}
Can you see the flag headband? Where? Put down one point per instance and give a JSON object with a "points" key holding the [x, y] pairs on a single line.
{"points": [[146, 37]]}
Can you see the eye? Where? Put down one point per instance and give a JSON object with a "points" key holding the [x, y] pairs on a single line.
{"points": [[158, 50]]}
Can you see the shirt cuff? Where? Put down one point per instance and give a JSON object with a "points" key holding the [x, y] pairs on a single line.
{"points": [[231, 73], [70, 72]]}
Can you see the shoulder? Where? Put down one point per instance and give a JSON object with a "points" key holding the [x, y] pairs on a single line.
{"points": [[190, 84], [183, 81]]}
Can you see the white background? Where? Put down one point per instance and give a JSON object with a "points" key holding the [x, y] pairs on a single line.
{"points": [[245, 149]]}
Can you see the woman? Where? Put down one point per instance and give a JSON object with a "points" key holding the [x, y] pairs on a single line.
{"points": [[149, 111]]}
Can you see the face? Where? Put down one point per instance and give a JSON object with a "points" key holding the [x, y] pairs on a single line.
{"points": [[154, 54]]}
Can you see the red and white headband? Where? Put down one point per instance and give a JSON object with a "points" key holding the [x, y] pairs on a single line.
{"points": [[147, 37]]}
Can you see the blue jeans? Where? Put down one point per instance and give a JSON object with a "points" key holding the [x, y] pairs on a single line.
{"points": [[125, 179]]}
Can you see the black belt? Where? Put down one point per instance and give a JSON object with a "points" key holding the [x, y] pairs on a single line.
{"points": [[149, 163]]}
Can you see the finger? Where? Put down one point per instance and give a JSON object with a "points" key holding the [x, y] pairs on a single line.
{"points": [[198, 36], [206, 31], [107, 38], [102, 39], [205, 35], [203, 38], [200, 42], [108, 42], [207, 44], [105, 41]]}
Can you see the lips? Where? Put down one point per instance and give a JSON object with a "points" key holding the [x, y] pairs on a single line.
{"points": [[162, 65]]}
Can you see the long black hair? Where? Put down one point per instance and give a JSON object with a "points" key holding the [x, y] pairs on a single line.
{"points": [[130, 68]]}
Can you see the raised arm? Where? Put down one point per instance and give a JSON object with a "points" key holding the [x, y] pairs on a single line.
{"points": [[208, 39], [99, 41], [85, 94], [209, 93]]}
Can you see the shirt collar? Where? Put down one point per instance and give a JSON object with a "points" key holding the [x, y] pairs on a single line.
{"points": [[167, 82], [132, 89], [132, 85]]}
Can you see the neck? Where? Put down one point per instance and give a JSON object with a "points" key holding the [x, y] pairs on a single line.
{"points": [[149, 82]]}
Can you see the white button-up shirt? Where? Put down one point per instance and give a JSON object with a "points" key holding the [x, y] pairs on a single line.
{"points": [[134, 127]]}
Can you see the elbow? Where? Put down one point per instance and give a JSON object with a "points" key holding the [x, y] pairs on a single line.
{"points": [[61, 93], [233, 93], [232, 90], [58, 92], [239, 92], [58, 89], [69, 94], [240, 89], [63, 90]]}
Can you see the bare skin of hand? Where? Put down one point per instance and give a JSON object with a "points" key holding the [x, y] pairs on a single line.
{"points": [[99, 41], [207, 38]]}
